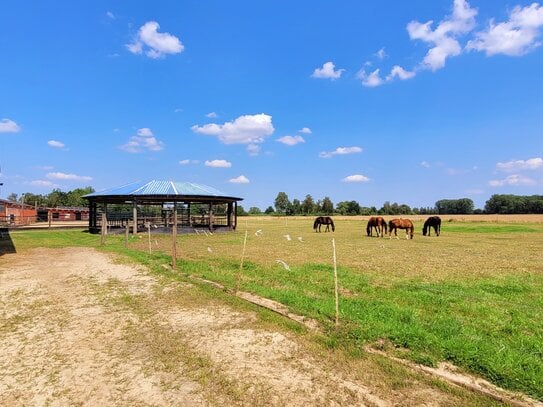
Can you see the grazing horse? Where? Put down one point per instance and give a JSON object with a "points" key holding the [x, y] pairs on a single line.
{"points": [[406, 224], [377, 223], [432, 222], [324, 220]]}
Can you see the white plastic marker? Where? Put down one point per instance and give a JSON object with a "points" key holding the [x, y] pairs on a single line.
{"points": [[285, 265], [300, 238], [209, 249], [335, 282], [258, 232], [287, 237]]}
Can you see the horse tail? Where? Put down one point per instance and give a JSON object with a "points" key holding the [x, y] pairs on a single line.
{"points": [[315, 224], [385, 226]]}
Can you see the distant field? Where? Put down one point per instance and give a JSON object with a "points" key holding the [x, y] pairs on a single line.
{"points": [[472, 296]]}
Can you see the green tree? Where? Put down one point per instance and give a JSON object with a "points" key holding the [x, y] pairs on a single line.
{"points": [[348, 208], [308, 205], [269, 210], [253, 210], [12, 197], [240, 211], [327, 206], [282, 203], [296, 207]]}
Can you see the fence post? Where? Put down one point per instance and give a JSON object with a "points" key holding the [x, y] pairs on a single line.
{"points": [[336, 282], [174, 237], [241, 263]]}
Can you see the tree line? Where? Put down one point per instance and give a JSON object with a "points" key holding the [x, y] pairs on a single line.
{"points": [[54, 199], [497, 204]]}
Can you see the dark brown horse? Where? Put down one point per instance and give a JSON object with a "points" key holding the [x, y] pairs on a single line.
{"points": [[406, 224], [432, 222], [324, 220], [377, 223]]}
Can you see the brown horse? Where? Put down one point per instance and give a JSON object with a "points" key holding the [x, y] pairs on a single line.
{"points": [[406, 224], [377, 223], [432, 222], [324, 220]]}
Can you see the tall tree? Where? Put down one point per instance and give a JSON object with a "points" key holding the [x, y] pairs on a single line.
{"points": [[327, 206], [308, 205], [282, 203]]}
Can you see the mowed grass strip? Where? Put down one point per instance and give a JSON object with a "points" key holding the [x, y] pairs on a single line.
{"points": [[472, 296]]}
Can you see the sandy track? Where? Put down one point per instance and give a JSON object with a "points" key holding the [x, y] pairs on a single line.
{"points": [[77, 329]]}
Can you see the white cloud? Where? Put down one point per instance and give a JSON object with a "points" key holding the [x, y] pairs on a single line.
{"points": [[144, 140], [340, 151], [444, 38], [400, 73], [56, 144], [212, 115], [9, 126], [291, 140], [305, 130], [519, 165], [512, 180], [40, 183], [218, 164], [186, 162], [355, 178], [177, 110], [515, 37], [156, 44], [372, 80], [67, 177], [425, 164], [110, 15], [247, 129], [327, 71], [253, 149], [242, 179], [381, 54]]}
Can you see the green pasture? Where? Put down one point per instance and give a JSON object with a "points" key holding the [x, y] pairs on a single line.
{"points": [[473, 296]]}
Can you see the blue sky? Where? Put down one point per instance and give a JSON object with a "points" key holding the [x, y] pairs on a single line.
{"points": [[401, 101]]}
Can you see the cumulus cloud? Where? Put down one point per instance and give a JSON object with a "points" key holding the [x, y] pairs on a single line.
{"points": [[355, 178], [242, 179], [340, 151], [519, 165], [143, 140], [55, 144], [425, 164], [9, 126], [110, 15], [327, 71], [512, 180], [67, 177], [400, 73], [253, 149], [291, 140], [212, 115], [154, 44], [218, 163], [514, 37], [305, 130], [371, 80], [247, 129], [444, 38]]}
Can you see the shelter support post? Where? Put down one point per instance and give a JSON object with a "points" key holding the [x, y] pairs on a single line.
{"points": [[134, 217], [174, 237]]}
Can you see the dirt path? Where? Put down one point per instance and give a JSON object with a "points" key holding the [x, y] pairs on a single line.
{"points": [[78, 329]]}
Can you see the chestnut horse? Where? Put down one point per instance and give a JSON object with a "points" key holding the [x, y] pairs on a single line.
{"points": [[432, 222], [377, 223], [406, 224], [324, 220]]}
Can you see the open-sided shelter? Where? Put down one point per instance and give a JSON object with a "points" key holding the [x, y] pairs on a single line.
{"points": [[160, 205]]}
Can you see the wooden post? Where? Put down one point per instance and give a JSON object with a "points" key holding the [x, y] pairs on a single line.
{"points": [[210, 217], [335, 282], [148, 224], [174, 237], [126, 234], [241, 263], [49, 217], [134, 217], [104, 225]]}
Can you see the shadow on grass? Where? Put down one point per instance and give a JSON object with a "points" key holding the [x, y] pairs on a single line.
{"points": [[6, 244]]}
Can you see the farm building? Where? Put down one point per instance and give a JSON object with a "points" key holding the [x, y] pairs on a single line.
{"points": [[160, 205], [62, 214], [15, 213]]}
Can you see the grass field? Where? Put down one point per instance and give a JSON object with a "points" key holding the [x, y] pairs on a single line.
{"points": [[473, 296]]}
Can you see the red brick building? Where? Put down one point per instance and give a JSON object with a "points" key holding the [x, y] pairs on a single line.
{"points": [[14, 213]]}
